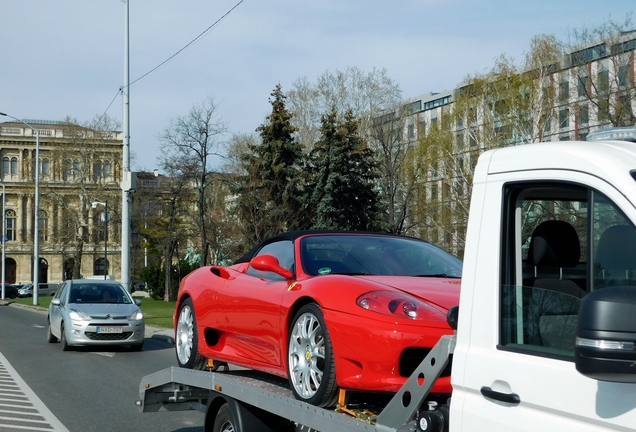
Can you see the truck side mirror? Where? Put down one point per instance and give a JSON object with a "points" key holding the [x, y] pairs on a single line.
{"points": [[452, 316], [606, 335]]}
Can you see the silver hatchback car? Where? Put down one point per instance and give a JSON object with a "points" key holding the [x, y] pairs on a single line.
{"points": [[95, 312]]}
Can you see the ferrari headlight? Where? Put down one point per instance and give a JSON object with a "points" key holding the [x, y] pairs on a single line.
{"points": [[136, 316], [399, 305], [76, 315]]}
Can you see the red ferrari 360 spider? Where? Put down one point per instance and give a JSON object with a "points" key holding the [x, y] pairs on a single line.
{"points": [[325, 309]]}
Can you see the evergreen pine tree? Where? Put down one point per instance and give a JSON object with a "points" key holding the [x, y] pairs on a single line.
{"points": [[344, 172], [269, 195]]}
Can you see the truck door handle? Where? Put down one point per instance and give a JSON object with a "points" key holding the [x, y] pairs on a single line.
{"points": [[511, 398]]}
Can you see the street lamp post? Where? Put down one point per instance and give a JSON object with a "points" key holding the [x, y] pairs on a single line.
{"points": [[105, 218], [36, 224], [4, 237]]}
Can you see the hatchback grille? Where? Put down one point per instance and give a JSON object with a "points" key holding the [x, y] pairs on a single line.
{"points": [[108, 336], [412, 357]]}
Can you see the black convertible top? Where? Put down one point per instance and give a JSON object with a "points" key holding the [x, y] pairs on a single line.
{"points": [[293, 235]]}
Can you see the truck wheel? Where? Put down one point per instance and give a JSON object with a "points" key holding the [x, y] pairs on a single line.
{"points": [[49, 335], [310, 360], [186, 338], [224, 421]]}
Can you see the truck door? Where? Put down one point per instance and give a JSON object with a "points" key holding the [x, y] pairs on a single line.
{"points": [[558, 241]]}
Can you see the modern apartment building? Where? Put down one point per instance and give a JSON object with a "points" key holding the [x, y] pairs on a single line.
{"points": [[584, 89]]}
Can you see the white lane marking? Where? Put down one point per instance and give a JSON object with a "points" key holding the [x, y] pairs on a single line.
{"points": [[21, 407], [105, 354], [38, 326]]}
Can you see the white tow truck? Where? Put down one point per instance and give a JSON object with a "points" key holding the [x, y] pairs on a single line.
{"points": [[546, 330]]}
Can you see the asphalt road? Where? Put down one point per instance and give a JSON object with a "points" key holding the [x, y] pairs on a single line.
{"points": [[87, 389]]}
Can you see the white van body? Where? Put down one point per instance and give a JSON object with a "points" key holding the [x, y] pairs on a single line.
{"points": [[498, 349]]}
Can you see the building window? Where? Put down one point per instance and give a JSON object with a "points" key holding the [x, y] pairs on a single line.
{"points": [[564, 91], [564, 118], [584, 115], [410, 132], [67, 173], [547, 126], [472, 138], [45, 167], [5, 166], [11, 225], [99, 267], [582, 85], [602, 81], [459, 139], [44, 225], [106, 169], [97, 170], [623, 75], [14, 165]]}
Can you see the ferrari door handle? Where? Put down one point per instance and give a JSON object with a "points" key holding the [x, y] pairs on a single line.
{"points": [[511, 398]]}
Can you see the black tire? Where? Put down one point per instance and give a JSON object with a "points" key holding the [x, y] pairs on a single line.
{"points": [[309, 349], [187, 339], [65, 345], [50, 337], [224, 422]]}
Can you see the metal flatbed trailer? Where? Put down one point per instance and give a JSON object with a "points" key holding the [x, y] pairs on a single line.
{"points": [[249, 401]]}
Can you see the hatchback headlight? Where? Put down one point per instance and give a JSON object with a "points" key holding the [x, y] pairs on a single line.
{"points": [[136, 316], [78, 316]]}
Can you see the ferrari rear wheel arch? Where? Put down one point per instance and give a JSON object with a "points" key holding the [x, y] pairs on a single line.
{"points": [[310, 360], [186, 338]]}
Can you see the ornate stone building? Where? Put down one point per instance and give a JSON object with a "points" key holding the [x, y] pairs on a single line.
{"points": [[78, 166]]}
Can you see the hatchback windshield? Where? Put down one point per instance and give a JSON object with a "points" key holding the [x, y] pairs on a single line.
{"points": [[98, 293]]}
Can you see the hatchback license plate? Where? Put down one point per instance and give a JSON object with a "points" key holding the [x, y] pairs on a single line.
{"points": [[110, 330]]}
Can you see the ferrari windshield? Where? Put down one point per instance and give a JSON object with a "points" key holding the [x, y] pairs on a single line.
{"points": [[376, 255]]}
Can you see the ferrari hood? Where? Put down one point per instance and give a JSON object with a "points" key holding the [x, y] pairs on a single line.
{"points": [[443, 292], [100, 310]]}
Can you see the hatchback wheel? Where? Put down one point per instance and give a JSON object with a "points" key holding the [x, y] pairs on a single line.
{"points": [[50, 337], [310, 360], [186, 338], [65, 345]]}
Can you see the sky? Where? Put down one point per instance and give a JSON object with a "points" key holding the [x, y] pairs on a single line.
{"points": [[65, 58]]}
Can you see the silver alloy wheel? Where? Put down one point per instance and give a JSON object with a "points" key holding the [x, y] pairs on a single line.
{"points": [[227, 427], [185, 334], [306, 355]]}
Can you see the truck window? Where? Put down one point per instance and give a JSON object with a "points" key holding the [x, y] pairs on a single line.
{"points": [[560, 242]]}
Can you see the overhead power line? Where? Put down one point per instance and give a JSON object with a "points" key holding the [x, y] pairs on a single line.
{"points": [[175, 54], [188, 44]]}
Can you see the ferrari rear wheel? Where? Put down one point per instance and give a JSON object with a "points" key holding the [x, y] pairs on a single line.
{"points": [[310, 360], [186, 338]]}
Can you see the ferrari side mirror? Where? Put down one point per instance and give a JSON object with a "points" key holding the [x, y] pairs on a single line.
{"points": [[269, 263]]}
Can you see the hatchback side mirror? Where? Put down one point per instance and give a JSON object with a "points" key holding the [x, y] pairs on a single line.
{"points": [[606, 335]]}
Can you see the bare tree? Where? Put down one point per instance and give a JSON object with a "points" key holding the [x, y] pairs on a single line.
{"points": [[193, 142], [607, 84]]}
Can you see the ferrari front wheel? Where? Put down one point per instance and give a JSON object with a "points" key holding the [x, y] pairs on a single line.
{"points": [[310, 360], [186, 338]]}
